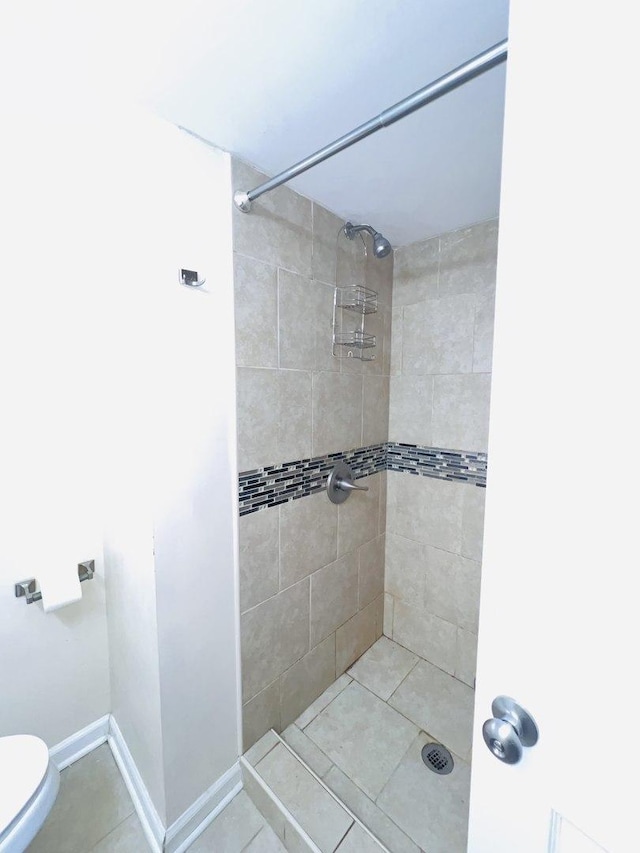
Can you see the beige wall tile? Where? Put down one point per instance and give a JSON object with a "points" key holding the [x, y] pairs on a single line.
{"points": [[425, 509], [296, 321], [375, 411], [261, 714], [461, 411], [415, 272], [259, 557], [308, 537], [452, 588], [307, 679], [358, 516], [337, 412], [395, 363], [483, 332], [256, 312], [379, 273], [294, 415], [334, 596], [274, 635], [427, 635], [437, 335], [473, 522], [405, 568], [355, 636], [321, 308], [278, 229], [466, 651], [257, 412], [410, 409], [371, 571], [468, 259], [387, 625], [382, 512], [326, 228]]}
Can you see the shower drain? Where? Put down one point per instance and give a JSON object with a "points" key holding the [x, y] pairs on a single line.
{"points": [[437, 758]]}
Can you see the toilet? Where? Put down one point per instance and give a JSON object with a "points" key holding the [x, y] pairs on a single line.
{"points": [[29, 783]]}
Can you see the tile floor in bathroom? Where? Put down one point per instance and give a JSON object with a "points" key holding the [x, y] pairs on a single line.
{"points": [[363, 737], [94, 814]]}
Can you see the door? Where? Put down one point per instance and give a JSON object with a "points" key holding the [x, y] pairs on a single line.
{"points": [[559, 608]]}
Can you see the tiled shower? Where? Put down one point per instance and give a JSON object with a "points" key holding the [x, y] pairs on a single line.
{"points": [[320, 584]]}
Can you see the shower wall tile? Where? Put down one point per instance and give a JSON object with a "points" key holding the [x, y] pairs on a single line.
{"points": [[308, 537], [259, 556], [278, 229], [355, 636], [256, 312], [358, 517], [326, 228], [296, 321], [405, 568], [379, 274], [432, 638], [294, 414], [257, 415], [473, 523], [426, 510], [337, 412], [274, 635], [375, 410], [321, 308], [371, 571], [410, 409], [334, 597], [452, 588], [468, 259], [382, 513], [483, 332], [466, 653], [416, 272], [461, 411], [397, 319], [307, 679], [261, 714], [437, 335]]}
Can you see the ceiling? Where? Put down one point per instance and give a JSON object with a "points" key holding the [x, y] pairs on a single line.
{"points": [[272, 81]]}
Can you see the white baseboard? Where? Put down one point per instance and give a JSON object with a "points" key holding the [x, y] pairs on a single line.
{"points": [[80, 744]]}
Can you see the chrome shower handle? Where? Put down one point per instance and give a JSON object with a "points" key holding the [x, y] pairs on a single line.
{"points": [[340, 483], [349, 485]]}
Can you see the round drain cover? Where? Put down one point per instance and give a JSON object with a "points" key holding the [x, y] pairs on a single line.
{"points": [[437, 758]]}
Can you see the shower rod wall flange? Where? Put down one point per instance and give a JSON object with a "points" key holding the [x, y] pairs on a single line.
{"points": [[442, 86]]}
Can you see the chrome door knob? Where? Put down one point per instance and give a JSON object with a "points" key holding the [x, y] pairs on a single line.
{"points": [[510, 729]]}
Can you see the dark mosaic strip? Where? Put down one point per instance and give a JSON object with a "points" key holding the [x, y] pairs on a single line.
{"points": [[277, 484]]}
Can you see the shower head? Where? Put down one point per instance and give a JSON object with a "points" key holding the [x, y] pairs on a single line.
{"points": [[381, 246]]}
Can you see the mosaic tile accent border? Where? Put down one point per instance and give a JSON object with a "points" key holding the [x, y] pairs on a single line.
{"points": [[277, 484]]}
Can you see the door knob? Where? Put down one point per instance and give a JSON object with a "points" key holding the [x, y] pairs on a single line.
{"points": [[510, 729]]}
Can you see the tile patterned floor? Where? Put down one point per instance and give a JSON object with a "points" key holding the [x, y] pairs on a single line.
{"points": [[93, 813]]}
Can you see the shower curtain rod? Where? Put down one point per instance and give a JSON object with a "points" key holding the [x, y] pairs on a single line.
{"points": [[442, 86]]}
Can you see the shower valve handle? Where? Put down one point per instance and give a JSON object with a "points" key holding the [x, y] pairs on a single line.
{"points": [[340, 483], [349, 485]]}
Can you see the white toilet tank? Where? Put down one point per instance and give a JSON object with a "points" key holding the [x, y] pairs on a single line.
{"points": [[29, 784]]}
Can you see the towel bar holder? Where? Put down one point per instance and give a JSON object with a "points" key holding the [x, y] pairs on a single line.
{"points": [[27, 589]]}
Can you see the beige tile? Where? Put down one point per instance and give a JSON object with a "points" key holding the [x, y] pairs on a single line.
{"points": [[430, 808], [415, 272], [296, 321], [261, 714], [294, 840], [357, 840], [261, 748], [274, 635], [405, 568], [387, 625], [310, 804], [308, 537], [264, 802], [358, 516], [371, 571], [334, 597], [383, 667], [278, 229], [259, 536], [382, 512], [236, 825], [468, 259], [483, 332], [125, 838], [439, 704], [437, 335], [466, 651], [355, 636], [256, 312], [306, 749], [266, 841], [385, 361], [367, 753], [473, 522], [306, 680], [379, 273], [425, 509], [410, 409], [395, 363], [337, 412], [257, 411], [452, 588], [326, 230], [294, 419], [367, 811], [375, 412], [322, 701], [425, 634], [321, 308], [461, 411], [93, 779], [375, 324], [351, 261]]}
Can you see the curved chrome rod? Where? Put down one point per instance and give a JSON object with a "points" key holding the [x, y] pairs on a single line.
{"points": [[442, 86]]}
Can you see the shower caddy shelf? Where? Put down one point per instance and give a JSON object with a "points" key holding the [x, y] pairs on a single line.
{"points": [[359, 300]]}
